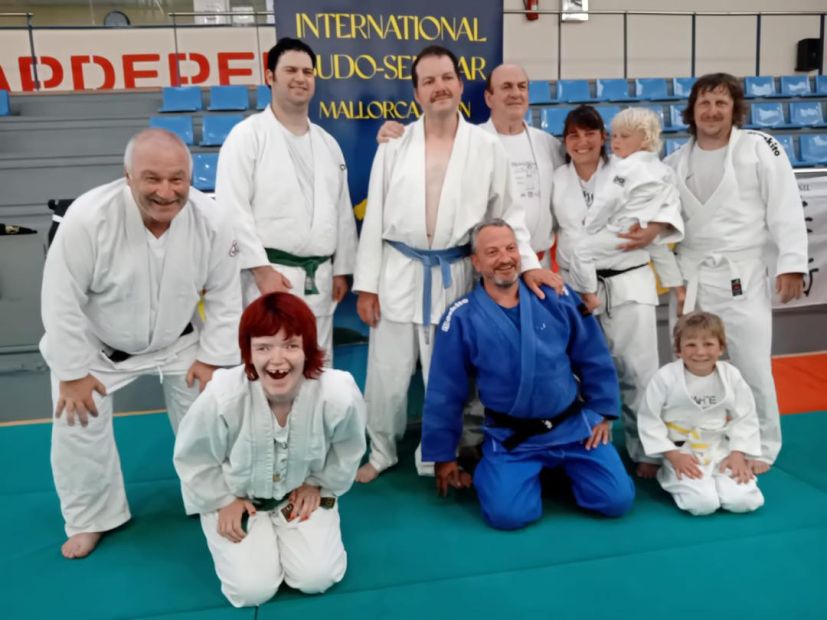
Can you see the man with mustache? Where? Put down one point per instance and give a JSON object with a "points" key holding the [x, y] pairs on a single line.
{"points": [[548, 384], [121, 285], [744, 221], [287, 181], [427, 191]]}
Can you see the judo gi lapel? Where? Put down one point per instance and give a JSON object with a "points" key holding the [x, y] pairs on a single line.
{"points": [[524, 338], [325, 174], [138, 252], [276, 144], [406, 187], [450, 198], [692, 207], [608, 192]]}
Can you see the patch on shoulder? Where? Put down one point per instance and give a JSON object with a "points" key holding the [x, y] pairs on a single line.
{"points": [[446, 323], [771, 142], [619, 180], [234, 249]]}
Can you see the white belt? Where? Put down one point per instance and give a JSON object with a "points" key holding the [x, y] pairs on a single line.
{"points": [[692, 263]]}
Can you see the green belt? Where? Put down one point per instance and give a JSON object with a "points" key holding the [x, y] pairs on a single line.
{"points": [[309, 263]]}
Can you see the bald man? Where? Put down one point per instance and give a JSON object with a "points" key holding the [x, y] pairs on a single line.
{"points": [[121, 285]]}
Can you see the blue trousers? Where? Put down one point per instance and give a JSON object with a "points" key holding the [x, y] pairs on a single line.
{"points": [[508, 483]]}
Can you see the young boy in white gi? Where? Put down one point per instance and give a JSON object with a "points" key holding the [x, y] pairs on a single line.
{"points": [[637, 189], [699, 415], [265, 451]]}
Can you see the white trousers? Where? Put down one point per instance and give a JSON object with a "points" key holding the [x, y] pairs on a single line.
{"points": [[393, 350], [632, 335], [85, 462], [748, 324], [308, 555], [322, 309], [707, 494]]}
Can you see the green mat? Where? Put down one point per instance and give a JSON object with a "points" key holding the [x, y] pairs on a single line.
{"points": [[412, 554]]}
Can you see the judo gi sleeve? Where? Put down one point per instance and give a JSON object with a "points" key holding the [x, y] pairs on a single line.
{"points": [[218, 344], [448, 382], [650, 425], [201, 446], [590, 359], [785, 213], [743, 430], [369, 254], [347, 443], [234, 188], [344, 259], [67, 277]]}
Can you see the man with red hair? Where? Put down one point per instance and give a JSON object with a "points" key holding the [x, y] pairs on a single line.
{"points": [[265, 451]]}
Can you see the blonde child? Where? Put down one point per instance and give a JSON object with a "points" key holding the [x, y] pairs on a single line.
{"points": [[699, 415]]}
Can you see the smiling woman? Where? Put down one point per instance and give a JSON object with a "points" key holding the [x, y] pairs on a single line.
{"points": [[253, 455]]}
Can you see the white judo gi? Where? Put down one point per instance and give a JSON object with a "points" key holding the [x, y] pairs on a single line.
{"points": [[258, 177], [587, 235], [477, 186], [751, 229], [668, 414], [227, 449], [547, 155], [101, 294]]}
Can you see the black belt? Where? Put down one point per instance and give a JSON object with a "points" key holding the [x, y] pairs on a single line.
{"points": [[528, 427], [605, 274], [121, 356]]}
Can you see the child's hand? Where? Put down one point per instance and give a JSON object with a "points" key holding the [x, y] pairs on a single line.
{"points": [[601, 433], [591, 301], [738, 467], [684, 464]]}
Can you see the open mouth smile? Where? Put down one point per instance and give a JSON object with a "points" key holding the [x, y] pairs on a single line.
{"points": [[277, 374]]}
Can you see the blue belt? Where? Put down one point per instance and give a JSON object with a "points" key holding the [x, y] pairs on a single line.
{"points": [[430, 259]]}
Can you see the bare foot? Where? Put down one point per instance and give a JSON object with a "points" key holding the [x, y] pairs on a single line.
{"points": [[80, 545], [647, 470], [367, 473], [758, 467]]}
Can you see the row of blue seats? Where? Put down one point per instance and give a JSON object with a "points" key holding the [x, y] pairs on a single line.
{"points": [[813, 148], [657, 89], [5, 106], [762, 115], [222, 98], [214, 127]]}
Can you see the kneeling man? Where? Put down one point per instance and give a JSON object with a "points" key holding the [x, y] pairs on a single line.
{"points": [[546, 380]]}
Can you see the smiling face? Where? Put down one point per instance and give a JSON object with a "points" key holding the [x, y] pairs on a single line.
{"points": [[279, 362], [713, 113], [700, 351], [293, 83], [497, 257], [439, 89], [584, 145], [508, 97]]}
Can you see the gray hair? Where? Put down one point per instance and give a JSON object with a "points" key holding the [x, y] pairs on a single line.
{"points": [[148, 134], [495, 222]]}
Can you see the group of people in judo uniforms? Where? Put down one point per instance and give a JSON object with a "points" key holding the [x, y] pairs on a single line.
{"points": [[264, 449]]}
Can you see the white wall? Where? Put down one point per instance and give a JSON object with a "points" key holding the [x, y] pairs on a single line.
{"points": [[659, 45]]}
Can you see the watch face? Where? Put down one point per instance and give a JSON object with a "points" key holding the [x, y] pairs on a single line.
{"points": [[116, 19]]}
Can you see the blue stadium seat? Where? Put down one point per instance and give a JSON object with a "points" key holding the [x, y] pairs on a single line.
{"points": [[682, 86], [813, 148], [227, 98], [181, 125], [673, 144], [767, 115], [181, 99], [262, 96], [652, 89], [821, 85], [574, 91], [806, 114], [786, 140], [796, 86], [607, 113], [676, 118], [613, 90], [204, 166], [216, 127], [539, 91], [760, 86], [5, 107], [552, 120], [658, 110]]}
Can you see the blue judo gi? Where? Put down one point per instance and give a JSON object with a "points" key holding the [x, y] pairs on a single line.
{"points": [[526, 373]]}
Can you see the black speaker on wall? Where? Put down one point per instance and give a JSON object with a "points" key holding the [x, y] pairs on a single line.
{"points": [[808, 57]]}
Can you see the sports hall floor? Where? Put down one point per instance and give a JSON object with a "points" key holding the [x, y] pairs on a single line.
{"points": [[413, 555]]}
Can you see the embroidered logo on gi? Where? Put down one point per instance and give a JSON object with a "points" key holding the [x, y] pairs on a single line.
{"points": [[736, 287], [446, 324], [619, 181], [234, 250], [774, 146]]}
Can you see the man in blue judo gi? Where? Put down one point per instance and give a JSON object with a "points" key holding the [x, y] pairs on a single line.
{"points": [[549, 391]]}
